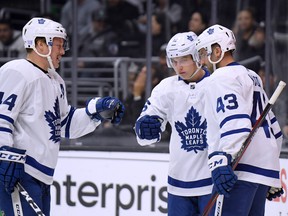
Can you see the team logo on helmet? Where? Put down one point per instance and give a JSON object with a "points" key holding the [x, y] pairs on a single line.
{"points": [[41, 21], [54, 122], [193, 133], [190, 37], [210, 31]]}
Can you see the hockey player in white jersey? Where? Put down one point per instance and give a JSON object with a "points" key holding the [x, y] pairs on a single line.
{"points": [[34, 114], [234, 100], [176, 100]]}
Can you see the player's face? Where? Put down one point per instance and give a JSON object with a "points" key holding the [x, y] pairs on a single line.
{"points": [[203, 55], [57, 51], [184, 66]]}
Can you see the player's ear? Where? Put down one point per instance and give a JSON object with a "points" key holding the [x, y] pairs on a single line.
{"points": [[40, 44], [217, 51]]}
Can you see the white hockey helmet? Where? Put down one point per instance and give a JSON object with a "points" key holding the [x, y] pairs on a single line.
{"points": [[42, 27], [216, 34], [181, 44]]}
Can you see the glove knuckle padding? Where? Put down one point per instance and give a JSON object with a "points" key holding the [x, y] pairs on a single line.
{"points": [[223, 176], [148, 127], [118, 114], [106, 108]]}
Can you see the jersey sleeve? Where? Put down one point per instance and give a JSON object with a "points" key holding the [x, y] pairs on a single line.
{"points": [[12, 97], [74, 121], [276, 130], [157, 104], [77, 123], [227, 106]]}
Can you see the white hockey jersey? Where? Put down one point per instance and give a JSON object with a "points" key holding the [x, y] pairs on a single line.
{"points": [[34, 114], [179, 104], [234, 99]]}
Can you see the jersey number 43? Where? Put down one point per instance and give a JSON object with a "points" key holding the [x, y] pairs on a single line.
{"points": [[229, 101]]}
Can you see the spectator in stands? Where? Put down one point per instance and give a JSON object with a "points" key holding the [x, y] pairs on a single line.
{"points": [[122, 16], [198, 22], [85, 9], [250, 38], [100, 40], [136, 100], [158, 31], [11, 43], [190, 6], [172, 11]]}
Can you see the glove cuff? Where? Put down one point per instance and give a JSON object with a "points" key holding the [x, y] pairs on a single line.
{"points": [[218, 159], [8, 153], [91, 106]]}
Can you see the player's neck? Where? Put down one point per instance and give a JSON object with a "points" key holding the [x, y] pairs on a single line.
{"points": [[41, 62], [227, 59]]}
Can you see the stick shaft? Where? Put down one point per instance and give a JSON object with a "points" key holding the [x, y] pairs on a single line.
{"points": [[31, 202]]}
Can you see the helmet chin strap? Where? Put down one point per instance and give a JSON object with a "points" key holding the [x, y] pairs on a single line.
{"points": [[216, 62], [198, 69], [47, 56]]}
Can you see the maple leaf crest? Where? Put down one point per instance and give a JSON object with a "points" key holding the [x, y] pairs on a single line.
{"points": [[192, 132], [54, 122]]}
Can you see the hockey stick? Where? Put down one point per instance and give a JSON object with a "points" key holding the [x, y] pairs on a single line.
{"points": [[31, 202], [17, 206], [246, 143]]}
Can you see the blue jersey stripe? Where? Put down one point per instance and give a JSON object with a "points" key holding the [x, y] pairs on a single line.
{"points": [[190, 184], [242, 130], [278, 135], [6, 130], [273, 120], [232, 117], [257, 170], [69, 119], [7, 118], [44, 169]]}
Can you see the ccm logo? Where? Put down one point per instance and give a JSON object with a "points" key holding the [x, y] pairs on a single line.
{"points": [[215, 163], [11, 157]]}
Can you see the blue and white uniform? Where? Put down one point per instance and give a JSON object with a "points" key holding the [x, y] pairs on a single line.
{"points": [[35, 115], [180, 104], [229, 90]]}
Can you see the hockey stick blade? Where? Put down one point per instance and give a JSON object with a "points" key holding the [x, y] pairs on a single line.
{"points": [[31, 202], [246, 143]]}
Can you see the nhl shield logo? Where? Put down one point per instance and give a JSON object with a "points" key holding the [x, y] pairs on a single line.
{"points": [[193, 133]]}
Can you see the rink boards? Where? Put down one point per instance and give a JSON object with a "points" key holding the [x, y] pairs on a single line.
{"points": [[122, 184]]}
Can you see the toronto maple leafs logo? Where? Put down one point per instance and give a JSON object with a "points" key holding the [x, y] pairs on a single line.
{"points": [[193, 134], [210, 31], [54, 121], [190, 37], [41, 21]]}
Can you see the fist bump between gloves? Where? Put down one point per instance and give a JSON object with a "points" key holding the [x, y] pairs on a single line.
{"points": [[148, 127], [106, 108], [223, 176]]}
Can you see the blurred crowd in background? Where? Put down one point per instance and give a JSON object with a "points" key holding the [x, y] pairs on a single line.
{"points": [[117, 28]]}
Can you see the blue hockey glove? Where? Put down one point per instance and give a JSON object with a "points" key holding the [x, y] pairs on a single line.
{"points": [[106, 108], [11, 166], [222, 174], [148, 127], [274, 193]]}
